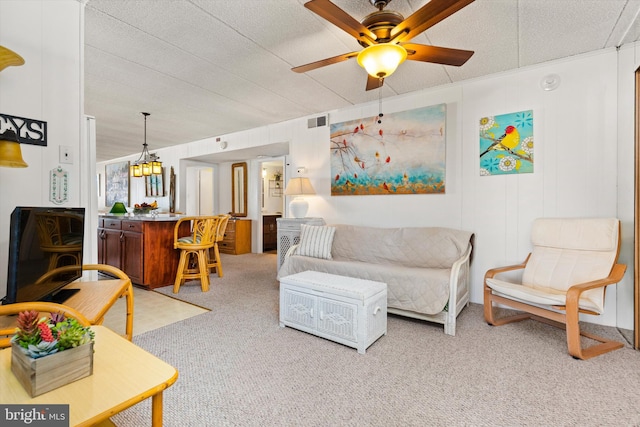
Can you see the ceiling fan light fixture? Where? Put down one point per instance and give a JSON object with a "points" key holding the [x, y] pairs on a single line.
{"points": [[381, 60]]}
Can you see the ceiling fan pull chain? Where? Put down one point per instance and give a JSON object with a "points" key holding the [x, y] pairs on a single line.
{"points": [[380, 80]]}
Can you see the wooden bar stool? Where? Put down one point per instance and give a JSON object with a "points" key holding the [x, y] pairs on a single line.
{"points": [[194, 249], [214, 254]]}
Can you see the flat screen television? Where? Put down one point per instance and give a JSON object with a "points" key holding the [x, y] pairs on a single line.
{"points": [[45, 253]]}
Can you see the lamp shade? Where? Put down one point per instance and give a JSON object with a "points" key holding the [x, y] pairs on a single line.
{"points": [[381, 60], [299, 187], [10, 151], [118, 208], [156, 167], [136, 170]]}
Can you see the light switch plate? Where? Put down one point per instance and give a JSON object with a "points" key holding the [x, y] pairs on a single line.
{"points": [[65, 154]]}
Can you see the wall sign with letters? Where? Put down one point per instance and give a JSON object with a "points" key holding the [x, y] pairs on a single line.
{"points": [[30, 131]]}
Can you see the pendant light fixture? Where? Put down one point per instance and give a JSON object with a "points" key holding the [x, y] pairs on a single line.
{"points": [[148, 163]]}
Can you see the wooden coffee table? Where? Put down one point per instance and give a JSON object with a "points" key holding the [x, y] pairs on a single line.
{"points": [[123, 375]]}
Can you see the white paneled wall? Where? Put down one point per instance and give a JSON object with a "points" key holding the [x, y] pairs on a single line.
{"points": [[48, 87], [575, 153]]}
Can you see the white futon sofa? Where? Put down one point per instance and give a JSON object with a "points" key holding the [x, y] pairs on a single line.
{"points": [[426, 269]]}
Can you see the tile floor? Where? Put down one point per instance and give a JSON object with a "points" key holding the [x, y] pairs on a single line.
{"points": [[151, 310]]}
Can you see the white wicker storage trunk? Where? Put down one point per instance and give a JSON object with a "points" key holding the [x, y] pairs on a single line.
{"points": [[346, 310]]}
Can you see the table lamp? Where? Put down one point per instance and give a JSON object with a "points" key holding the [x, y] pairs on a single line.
{"points": [[118, 208], [299, 187]]}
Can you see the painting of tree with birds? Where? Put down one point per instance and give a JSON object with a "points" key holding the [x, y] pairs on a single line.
{"points": [[400, 153], [506, 144]]}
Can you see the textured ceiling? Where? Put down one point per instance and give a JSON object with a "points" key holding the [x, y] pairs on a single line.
{"points": [[205, 68]]}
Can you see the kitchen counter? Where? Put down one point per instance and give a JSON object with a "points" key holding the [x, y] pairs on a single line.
{"points": [[141, 246], [143, 217]]}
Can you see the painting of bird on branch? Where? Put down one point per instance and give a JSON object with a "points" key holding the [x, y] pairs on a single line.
{"points": [[506, 144]]}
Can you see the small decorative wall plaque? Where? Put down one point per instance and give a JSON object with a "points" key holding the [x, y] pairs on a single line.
{"points": [[59, 186]]}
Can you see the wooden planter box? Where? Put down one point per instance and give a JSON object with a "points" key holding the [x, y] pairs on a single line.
{"points": [[44, 374]]}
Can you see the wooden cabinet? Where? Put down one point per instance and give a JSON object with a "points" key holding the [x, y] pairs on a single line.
{"points": [[133, 251], [270, 232], [237, 237], [142, 248], [109, 242]]}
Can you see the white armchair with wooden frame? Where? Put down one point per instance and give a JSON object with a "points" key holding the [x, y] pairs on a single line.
{"points": [[572, 262]]}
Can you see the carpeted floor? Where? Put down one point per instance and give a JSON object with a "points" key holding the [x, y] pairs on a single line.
{"points": [[239, 368]]}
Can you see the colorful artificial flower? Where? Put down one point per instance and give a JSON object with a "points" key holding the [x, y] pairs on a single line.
{"points": [[39, 337]]}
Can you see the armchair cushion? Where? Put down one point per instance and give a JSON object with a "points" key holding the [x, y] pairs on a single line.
{"points": [[566, 252], [542, 296], [590, 234]]}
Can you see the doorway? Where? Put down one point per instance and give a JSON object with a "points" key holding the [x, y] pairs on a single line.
{"points": [[271, 202], [199, 191]]}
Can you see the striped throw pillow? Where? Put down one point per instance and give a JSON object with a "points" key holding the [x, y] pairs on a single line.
{"points": [[316, 241]]}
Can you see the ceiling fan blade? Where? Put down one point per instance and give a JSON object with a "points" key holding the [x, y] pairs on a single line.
{"points": [[425, 17], [373, 82], [324, 62], [437, 55], [341, 19]]}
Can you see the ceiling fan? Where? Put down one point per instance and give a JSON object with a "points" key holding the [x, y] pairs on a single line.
{"points": [[384, 34]]}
